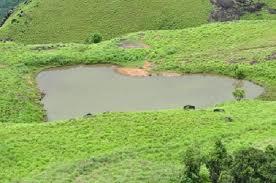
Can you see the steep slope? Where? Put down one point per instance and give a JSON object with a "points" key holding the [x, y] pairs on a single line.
{"points": [[72, 21]]}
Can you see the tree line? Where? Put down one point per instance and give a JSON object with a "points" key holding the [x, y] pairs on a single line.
{"points": [[248, 165]]}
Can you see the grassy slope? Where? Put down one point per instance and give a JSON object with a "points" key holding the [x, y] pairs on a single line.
{"points": [[70, 21], [135, 145]]}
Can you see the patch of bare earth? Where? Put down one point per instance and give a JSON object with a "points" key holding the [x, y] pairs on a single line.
{"points": [[130, 44], [143, 72]]}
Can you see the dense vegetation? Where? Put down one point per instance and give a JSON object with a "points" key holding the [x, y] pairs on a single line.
{"points": [[134, 147], [246, 165]]}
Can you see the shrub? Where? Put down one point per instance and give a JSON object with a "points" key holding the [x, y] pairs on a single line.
{"points": [[93, 39], [217, 161], [192, 163], [239, 94], [253, 165], [239, 73], [247, 165], [225, 177]]}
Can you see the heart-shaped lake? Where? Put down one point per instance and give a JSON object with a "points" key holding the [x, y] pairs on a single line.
{"points": [[76, 91]]}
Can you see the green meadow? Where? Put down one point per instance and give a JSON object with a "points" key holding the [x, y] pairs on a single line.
{"points": [[71, 22], [142, 146]]}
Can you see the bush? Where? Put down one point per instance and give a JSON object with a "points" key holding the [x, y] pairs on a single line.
{"points": [[239, 94], [192, 163], [239, 73], [248, 165], [94, 38], [217, 161], [253, 165]]}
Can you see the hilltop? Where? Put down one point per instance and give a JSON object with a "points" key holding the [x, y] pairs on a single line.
{"points": [[70, 21], [53, 21]]}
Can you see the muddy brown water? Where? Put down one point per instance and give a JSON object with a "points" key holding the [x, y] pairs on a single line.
{"points": [[76, 91]]}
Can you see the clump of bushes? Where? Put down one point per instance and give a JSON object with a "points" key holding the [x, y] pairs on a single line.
{"points": [[248, 165], [193, 162], [239, 73], [239, 94], [94, 38]]}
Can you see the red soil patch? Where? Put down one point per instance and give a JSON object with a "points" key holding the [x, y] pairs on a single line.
{"points": [[145, 71], [133, 72]]}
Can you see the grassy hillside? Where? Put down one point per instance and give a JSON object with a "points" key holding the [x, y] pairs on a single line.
{"points": [[55, 21], [127, 147], [134, 147], [72, 21]]}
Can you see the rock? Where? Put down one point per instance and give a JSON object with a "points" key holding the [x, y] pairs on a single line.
{"points": [[254, 62], [226, 3], [254, 7], [241, 1], [88, 115], [189, 107], [272, 11], [42, 95], [4, 40], [228, 119], [227, 10], [219, 110], [272, 56]]}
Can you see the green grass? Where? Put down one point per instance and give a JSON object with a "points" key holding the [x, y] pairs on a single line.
{"points": [[55, 21], [109, 147], [134, 147]]}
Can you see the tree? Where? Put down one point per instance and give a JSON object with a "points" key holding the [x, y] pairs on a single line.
{"points": [[217, 161], [252, 165], [192, 163], [94, 38], [249, 165], [239, 94]]}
